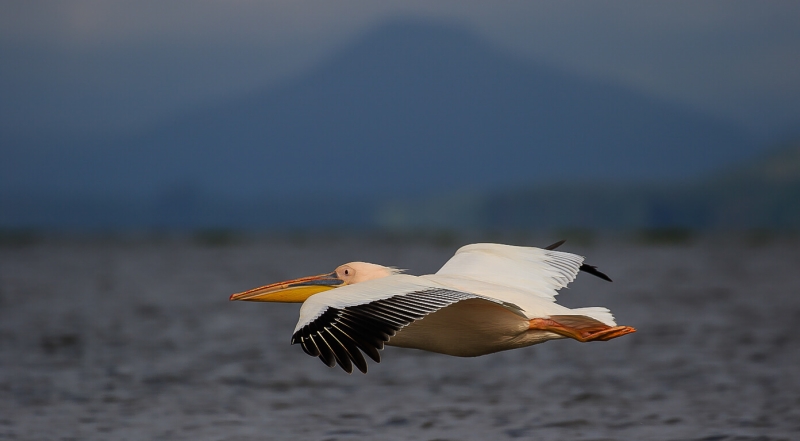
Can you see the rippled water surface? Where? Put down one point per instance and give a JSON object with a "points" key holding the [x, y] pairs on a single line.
{"points": [[133, 340]]}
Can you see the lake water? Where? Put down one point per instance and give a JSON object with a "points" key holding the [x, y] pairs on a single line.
{"points": [[136, 339]]}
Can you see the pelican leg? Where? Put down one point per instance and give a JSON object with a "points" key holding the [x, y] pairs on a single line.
{"points": [[579, 327]]}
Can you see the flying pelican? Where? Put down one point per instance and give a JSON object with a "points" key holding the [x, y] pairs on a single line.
{"points": [[486, 298]]}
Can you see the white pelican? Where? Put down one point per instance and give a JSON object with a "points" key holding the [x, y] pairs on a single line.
{"points": [[486, 298]]}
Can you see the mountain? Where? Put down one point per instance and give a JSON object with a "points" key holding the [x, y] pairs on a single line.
{"points": [[407, 110]]}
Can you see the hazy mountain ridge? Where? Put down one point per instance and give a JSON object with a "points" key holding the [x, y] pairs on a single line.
{"points": [[406, 111]]}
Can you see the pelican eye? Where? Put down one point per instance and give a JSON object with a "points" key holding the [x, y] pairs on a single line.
{"points": [[346, 272]]}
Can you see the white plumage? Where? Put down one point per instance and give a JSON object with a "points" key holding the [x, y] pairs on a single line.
{"points": [[486, 298]]}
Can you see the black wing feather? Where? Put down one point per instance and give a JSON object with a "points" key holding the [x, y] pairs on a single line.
{"points": [[350, 346], [309, 347], [325, 351], [339, 351]]}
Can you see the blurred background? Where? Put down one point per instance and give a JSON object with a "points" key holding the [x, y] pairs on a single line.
{"points": [[156, 157], [400, 116]]}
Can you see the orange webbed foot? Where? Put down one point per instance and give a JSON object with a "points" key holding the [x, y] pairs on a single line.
{"points": [[579, 327]]}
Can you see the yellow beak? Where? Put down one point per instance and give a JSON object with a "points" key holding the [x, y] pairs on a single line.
{"points": [[291, 291]]}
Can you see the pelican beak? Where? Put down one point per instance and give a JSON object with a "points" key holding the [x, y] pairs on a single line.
{"points": [[291, 291]]}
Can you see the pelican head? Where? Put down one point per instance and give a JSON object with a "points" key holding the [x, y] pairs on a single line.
{"points": [[298, 290]]}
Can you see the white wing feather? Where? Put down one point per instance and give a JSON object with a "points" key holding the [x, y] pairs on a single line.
{"points": [[533, 270]]}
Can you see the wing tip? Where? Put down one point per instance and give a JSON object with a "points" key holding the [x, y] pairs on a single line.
{"points": [[551, 247], [590, 269]]}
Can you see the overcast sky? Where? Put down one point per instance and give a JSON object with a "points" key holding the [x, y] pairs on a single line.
{"points": [[110, 65]]}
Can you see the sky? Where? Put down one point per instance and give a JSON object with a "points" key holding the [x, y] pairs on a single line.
{"points": [[109, 66]]}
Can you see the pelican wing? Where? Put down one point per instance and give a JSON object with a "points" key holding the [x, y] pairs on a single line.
{"points": [[338, 325], [533, 270]]}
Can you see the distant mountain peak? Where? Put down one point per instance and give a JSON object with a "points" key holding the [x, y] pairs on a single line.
{"points": [[409, 109]]}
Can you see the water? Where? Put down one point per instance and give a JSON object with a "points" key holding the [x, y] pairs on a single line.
{"points": [[131, 340]]}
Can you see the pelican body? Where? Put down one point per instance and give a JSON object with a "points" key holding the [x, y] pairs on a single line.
{"points": [[486, 298]]}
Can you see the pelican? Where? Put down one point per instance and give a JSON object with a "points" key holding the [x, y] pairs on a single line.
{"points": [[486, 298]]}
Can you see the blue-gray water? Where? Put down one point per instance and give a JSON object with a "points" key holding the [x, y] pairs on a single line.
{"points": [[132, 340]]}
